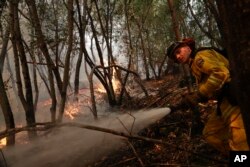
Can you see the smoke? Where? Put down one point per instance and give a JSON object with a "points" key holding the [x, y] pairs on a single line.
{"points": [[76, 147]]}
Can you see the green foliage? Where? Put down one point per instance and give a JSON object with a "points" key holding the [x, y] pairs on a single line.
{"points": [[53, 17], [202, 16], [151, 17]]}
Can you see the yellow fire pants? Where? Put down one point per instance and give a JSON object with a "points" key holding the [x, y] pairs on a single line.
{"points": [[226, 132]]}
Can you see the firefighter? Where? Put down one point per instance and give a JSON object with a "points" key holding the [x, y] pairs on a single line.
{"points": [[224, 128]]}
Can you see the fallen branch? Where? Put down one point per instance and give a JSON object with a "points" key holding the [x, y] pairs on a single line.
{"points": [[47, 126], [137, 156]]}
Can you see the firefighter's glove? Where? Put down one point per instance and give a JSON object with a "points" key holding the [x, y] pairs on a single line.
{"points": [[193, 99]]}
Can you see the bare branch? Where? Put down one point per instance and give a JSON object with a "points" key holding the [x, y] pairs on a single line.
{"points": [[49, 125], [136, 154], [37, 63]]}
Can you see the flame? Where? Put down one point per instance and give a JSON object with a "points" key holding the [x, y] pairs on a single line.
{"points": [[3, 142], [100, 89], [115, 83], [72, 111]]}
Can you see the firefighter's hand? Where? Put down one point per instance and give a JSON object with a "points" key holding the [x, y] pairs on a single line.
{"points": [[193, 99]]}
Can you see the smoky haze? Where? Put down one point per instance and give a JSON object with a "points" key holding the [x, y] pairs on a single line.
{"points": [[76, 147]]}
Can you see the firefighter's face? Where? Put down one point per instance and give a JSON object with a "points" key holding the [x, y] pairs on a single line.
{"points": [[182, 54]]}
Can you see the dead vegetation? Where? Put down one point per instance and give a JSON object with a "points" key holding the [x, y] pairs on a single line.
{"points": [[180, 147]]}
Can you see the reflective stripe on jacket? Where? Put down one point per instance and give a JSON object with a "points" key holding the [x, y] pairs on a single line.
{"points": [[211, 71]]}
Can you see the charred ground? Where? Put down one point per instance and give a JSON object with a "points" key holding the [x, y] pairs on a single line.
{"points": [[183, 146]]}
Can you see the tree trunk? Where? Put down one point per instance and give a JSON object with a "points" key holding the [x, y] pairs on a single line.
{"points": [[236, 35], [82, 29], [186, 72], [19, 54], [150, 55], [34, 70], [41, 43], [43, 47], [88, 60], [174, 20], [144, 54], [107, 82], [7, 112], [66, 77], [4, 47], [130, 53]]}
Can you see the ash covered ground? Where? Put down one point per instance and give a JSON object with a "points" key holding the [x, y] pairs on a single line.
{"points": [[182, 145]]}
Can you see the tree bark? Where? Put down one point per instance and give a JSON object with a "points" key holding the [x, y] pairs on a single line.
{"points": [[66, 77], [82, 28], [19, 54], [43, 47], [107, 82], [174, 20], [130, 54], [186, 72], [236, 35], [7, 112], [41, 43], [4, 47]]}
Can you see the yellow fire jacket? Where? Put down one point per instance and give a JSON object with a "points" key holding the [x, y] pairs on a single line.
{"points": [[211, 71]]}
